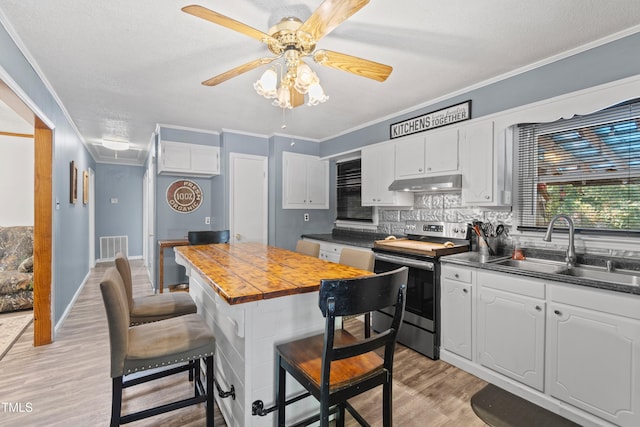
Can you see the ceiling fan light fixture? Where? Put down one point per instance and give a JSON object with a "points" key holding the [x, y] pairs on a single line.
{"points": [[283, 99], [316, 94], [115, 145], [305, 77], [266, 85]]}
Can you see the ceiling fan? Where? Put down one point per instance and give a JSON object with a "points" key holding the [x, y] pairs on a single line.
{"points": [[295, 40]]}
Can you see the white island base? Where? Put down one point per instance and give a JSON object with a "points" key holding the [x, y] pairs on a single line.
{"points": [[246, 335]]}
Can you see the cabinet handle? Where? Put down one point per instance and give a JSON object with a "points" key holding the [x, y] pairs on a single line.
{"points": [[428, 169], [465, 290], [538, 308], [487, 197], [420, 170], [457, 276], [557, 312]]}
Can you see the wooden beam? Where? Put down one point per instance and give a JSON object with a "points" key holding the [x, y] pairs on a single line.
{"points": [[42, 234], [19, 135]]}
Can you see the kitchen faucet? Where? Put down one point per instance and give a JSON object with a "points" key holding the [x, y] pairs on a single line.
{"points": [[571, 250]]}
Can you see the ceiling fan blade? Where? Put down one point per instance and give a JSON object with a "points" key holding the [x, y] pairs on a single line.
{"points": [[237, 71], [353, 64], [329, 15], [216, 18]]}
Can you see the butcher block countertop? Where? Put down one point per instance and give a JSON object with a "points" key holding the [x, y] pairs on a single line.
{"points": [[419, 247], [245, 272]]}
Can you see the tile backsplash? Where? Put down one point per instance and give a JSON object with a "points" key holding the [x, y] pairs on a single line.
{"points": [[448, 207], [445, 207]]}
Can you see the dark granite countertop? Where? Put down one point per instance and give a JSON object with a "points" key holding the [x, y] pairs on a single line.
{"points": [[348, 237], [475, 259]]}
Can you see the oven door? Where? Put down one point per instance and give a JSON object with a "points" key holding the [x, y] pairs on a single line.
{"points": [[421, 292]]}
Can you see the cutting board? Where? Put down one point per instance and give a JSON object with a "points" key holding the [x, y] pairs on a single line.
{"points": [[418, 247]]}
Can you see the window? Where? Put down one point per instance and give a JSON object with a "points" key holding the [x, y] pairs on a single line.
{"points": [[348, 185], [587, 167]]}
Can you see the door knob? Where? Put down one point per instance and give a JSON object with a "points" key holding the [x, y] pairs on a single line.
{"points": [[238, 236]]}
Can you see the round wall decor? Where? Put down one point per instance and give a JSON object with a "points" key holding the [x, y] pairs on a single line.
{"points": [[184, 196]]}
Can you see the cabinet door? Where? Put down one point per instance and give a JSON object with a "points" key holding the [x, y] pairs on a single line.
{"points": [[175, 156], [594, 363], [317, 183], [410, 157], [476, 163], [205, 159], [377, 174], [456, 315], [511, 335], [442, 151], [294, 181]]}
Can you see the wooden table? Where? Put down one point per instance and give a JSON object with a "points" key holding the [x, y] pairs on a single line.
{"points": [[255, 296], [163, 244]]}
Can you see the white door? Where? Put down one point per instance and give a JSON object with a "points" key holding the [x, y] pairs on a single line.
{"points": [[248, 198]]}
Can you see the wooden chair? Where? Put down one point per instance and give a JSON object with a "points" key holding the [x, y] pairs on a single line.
{"points": [[308, 248], [154, 345], [153, 307], [363, 260], [207, 237], [336, 366]]}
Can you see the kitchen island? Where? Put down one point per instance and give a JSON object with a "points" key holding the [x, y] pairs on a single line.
{"points": [[255, 296]]}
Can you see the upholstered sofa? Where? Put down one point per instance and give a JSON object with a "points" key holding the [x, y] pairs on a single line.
{"points": [[16, 268]]}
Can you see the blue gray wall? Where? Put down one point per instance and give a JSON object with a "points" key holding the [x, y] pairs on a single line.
{"points": [[70, 221], [612, 61], [176, 225], [123, 218]]}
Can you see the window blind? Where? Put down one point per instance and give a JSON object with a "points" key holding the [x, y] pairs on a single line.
{"points": [[587, 167], [348, 192]]}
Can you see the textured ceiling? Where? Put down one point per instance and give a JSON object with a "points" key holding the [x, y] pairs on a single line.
{"points": [[120, 67]]}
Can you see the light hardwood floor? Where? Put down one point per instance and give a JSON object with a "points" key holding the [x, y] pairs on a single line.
{"points": [[67, 383]]}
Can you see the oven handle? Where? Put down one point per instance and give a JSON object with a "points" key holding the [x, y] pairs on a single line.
{"points": [[422, 265]]}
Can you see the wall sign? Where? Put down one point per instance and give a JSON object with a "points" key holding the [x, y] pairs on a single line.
{"points": [[184, 196], [435, 119]]}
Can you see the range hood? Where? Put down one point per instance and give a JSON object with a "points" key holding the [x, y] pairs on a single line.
{"points": [[428, 184]]}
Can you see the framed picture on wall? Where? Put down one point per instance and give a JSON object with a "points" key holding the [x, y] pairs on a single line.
{"points": [[74, 182], [85, 187]]}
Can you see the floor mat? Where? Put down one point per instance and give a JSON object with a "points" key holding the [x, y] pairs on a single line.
{"points": [[499, 408], [11, 327]]}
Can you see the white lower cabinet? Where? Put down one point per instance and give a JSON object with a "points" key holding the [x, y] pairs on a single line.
{"points": [[594, 355], [456, 302], [510, 331], [575, 349]]}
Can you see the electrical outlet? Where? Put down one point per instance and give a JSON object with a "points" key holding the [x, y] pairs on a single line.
{"points": [[207, 220], [306, 217]]}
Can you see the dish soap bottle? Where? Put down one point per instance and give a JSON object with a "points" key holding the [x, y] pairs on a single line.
{"points": [[517, 252]]}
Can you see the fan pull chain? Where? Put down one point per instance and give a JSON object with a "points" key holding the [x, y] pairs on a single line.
{"points": [[284, 124]]}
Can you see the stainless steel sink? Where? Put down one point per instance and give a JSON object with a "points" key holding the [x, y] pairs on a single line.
{"points": [[534, 264], [594, 273], [624, 277]]}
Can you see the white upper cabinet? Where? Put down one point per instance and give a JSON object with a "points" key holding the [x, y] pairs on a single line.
{"points": [[305, 182], [483, 159], [430, 153], [378, 174], [178, 158]]}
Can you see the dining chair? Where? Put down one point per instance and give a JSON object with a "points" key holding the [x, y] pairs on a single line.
{"points": [[152, 308], [363, 260], [308, 248], [206, 237], [182, 341], [336, 366]]}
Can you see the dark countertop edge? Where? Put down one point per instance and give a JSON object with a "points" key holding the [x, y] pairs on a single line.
{"points": [[473, 259]]}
